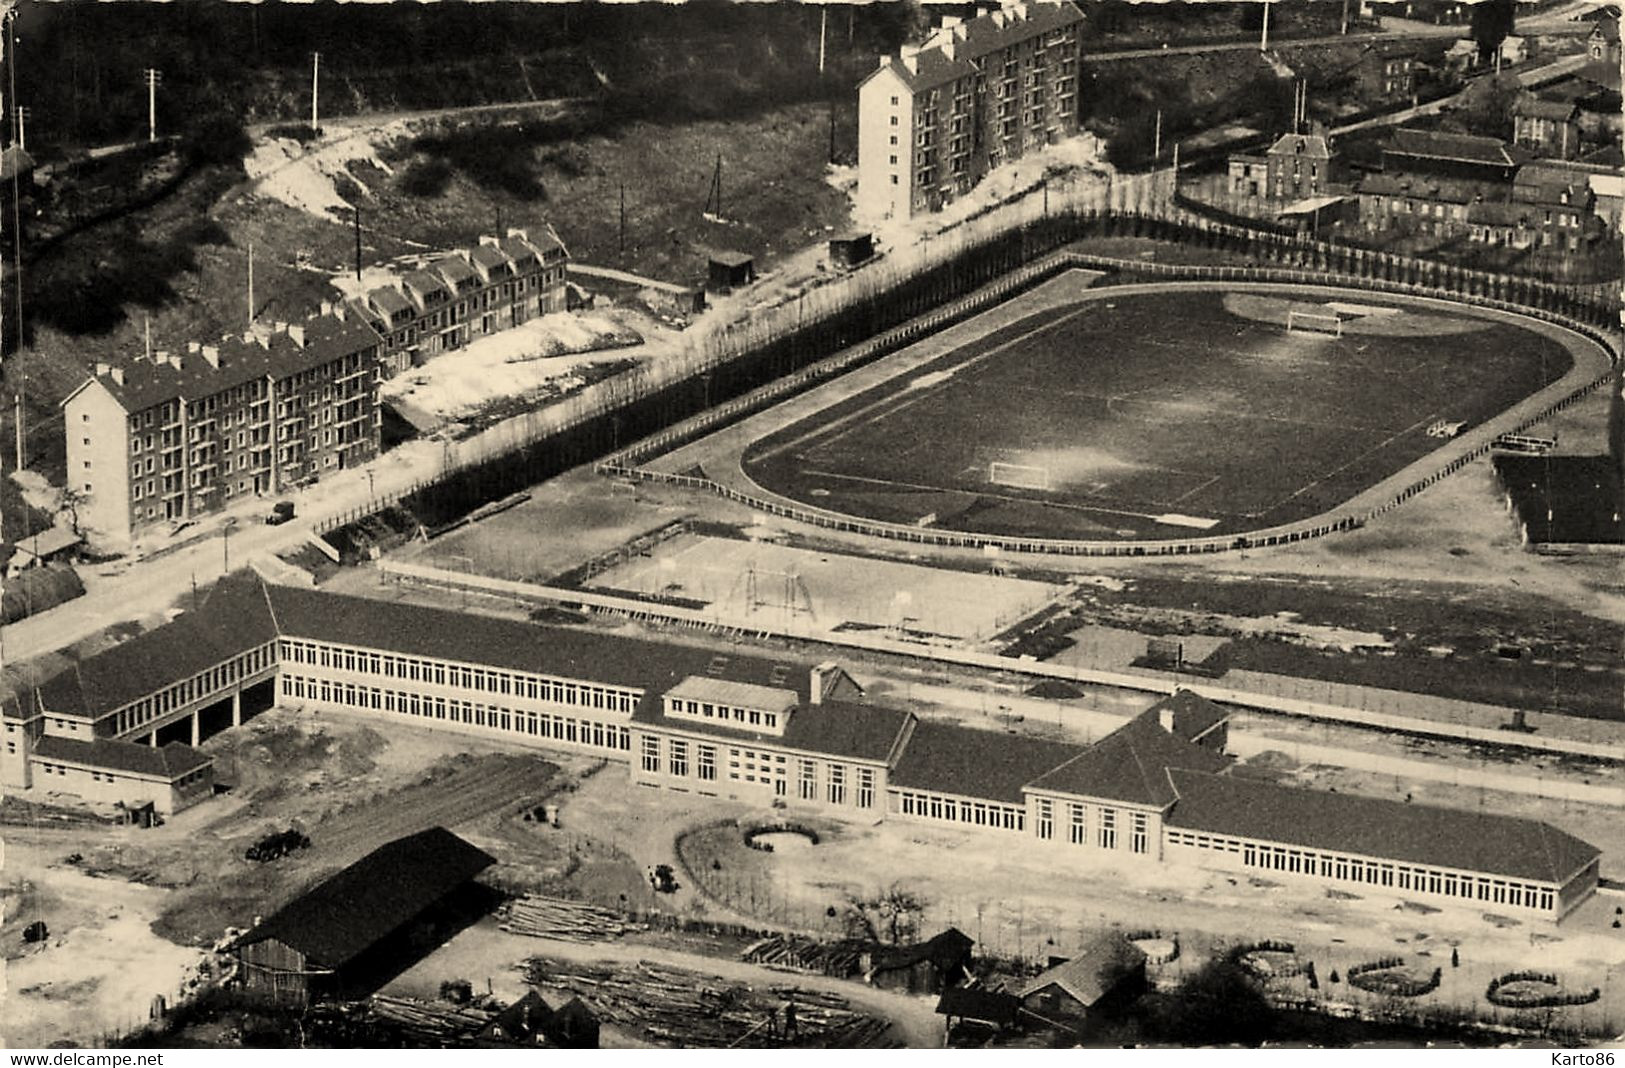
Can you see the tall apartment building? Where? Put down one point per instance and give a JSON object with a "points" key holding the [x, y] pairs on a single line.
{"points": [[468, 293], [177, 436], [935, 119]]}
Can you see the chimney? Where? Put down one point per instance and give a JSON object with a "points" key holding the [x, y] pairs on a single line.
{"points": [[948, 49], [912, 62], [297, 332], [514, 231], [102, 370], [327, 307], [822, 679], [1165, 717], [118, 375], [212, 354], [193, 347], [489, 240]]}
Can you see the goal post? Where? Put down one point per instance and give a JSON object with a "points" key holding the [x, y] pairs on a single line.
{"points": [[1018, 476], [1312, 322]]}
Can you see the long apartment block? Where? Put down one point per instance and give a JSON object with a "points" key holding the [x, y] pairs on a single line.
{"points": [[469, 293], [157, 441], [976, 94]]}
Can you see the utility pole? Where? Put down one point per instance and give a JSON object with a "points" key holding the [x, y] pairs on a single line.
{"points": [[154, 76], [358, 242], [315, 90], [1156, 138], [251, 285], [1264, 38], [148, 331], [623, 219], [832, 130], [22, 129], [17, 420], [1345, 28], [823, 27]]}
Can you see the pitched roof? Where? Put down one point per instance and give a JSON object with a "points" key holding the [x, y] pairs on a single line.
{"points": [[1094, 972], [15, 161], [1453, 147], [1531, 106], [348, 913], [423, 283], [521, 1022], [168, 762], [933, 66], [948, 759], [743, 694], [1130, 765], [488, 257], [241, 360], [984, 1006], [1308, 146], [945, 949], [389, 300], [1193, 715], [834, 728], [519, 250], [234, 619], [454, 269], [612, 659], [1430, 187], [1375, 827]]}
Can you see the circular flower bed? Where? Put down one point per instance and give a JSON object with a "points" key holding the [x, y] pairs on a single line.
{"points": [[1157, 947], [1268, 959], [764, 836], [1390, 976], [1535, 990]]}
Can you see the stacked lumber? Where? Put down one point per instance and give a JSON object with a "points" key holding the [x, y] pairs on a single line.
{"points": [[839, 959], [680, 1008], [556, 917], [431, 1022]]}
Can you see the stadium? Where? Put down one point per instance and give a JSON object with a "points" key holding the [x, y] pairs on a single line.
{"points": [[1144, 412]]}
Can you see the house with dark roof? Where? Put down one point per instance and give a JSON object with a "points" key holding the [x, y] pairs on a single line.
{"points": [[975, 94], [357, 927], [170, 778], [940, 962], [1096, 985], [1602, 45], [153, 442], [1466, 157], [1546, 127]]}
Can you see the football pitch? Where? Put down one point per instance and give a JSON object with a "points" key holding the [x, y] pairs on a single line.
{"points": [[1161, 414]]}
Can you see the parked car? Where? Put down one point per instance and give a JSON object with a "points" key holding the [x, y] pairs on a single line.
{"points": [[281, 513]]}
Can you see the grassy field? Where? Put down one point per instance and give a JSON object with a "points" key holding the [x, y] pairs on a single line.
{"points": [[1154, 415]]}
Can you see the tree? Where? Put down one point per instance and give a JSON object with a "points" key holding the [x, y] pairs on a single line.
{"points": [[891, 917], [70, 500], [1218, 1004], [1492, 24], [1485, 107]]}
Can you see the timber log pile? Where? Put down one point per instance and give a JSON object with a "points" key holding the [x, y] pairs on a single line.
{"points": [[555, 917], [685, 1009], [432, 1023], [839, 959]]}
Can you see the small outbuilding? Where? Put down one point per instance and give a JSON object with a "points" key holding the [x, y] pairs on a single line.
{"points": [[731, 269], [926, 968], [987, 1011], [849, 249], [1106, 977]]}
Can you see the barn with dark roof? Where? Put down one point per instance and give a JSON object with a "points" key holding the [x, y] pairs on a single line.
{"points": [[361, 925]]}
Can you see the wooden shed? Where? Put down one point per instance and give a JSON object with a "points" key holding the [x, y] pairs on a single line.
{"points": [[730, 269], [849, 249], [336, 937]]}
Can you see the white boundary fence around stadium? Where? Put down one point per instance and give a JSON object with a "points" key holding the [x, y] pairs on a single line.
{"points": [[1445, 461], [1126, 198]]}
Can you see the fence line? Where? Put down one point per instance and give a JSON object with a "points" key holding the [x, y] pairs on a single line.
{"points": [[626, 464]]}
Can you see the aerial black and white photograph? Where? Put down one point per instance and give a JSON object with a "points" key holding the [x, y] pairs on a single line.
{"points": [[774, 524]]}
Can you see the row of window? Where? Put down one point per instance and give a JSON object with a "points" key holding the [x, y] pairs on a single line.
{"points": [[460, 676], [529, 722], [958, 810], [97, 775], [1373, 872], [841, 784], [1105, 824], [186, 691], [754, 717]]}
